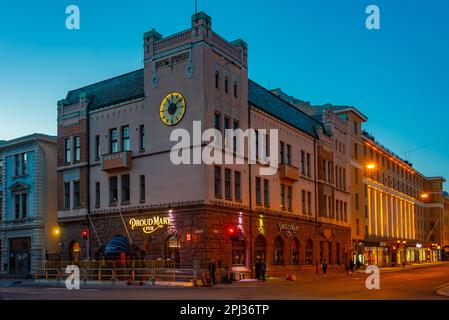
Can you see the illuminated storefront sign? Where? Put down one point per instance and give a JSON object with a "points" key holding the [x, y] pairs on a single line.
{"points": [[149, 225], [290, 229]]}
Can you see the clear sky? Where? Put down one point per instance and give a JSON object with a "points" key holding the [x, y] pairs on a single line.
{"points": [[319, 51]]}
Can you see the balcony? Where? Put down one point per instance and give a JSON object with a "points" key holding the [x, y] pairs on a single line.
{"points": [[288, 172], [116, 161]]}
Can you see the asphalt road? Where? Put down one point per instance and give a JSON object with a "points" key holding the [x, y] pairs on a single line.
{"points": [[409, 283]]}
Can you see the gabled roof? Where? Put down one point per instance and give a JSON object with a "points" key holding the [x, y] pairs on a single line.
{"points": [[270, 103], [122, 88]]}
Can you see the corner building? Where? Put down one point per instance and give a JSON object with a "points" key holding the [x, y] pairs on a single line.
{"points": [[116, 179]]}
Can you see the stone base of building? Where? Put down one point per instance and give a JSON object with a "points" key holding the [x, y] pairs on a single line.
{"points": [[193, 235]]}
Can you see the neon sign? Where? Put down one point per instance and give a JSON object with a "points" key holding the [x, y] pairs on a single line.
{"points": [[149, 225]]}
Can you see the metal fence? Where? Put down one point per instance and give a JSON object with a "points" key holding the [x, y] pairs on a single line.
{"points": [[109, 270]]}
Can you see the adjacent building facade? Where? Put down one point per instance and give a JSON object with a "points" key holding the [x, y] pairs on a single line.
{"points": [[28, 207]]}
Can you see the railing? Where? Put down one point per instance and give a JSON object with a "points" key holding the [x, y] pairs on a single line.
{"points": [[173, 40], [107, 270]]}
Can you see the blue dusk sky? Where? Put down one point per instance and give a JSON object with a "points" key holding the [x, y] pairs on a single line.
{"points": [[318, 51]]}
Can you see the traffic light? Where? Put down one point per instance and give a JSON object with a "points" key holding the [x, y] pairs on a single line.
{"points": [[231, 233], [85, 233]]}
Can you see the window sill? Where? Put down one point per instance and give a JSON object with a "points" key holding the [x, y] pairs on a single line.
{"points": [[113, 204], [125, 203], [228, 198], [142, 201], [217, 196]]}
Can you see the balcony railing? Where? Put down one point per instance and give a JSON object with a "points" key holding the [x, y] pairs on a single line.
{"points": [[116, 161], [288, 172]]}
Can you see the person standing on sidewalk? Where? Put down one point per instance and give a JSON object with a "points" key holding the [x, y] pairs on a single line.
{"points": [[324, 266], [358, 265], [212, 269], [351, 266], [263, 269]]}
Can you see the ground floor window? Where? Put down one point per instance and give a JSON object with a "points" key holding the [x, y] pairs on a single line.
{"points": [[278, 251], [172, 247], [309, 252], [75, 251], [259, 248], [295, 251], [238, 252]]}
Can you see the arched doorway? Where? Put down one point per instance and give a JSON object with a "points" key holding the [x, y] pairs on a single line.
{"points": [[294, 248], [75, 251], [278, 250], [172, 246], [238, 252], [309, 252], [260, 248]]}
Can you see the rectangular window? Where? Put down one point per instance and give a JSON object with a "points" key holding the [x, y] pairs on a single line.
{"points": [[142, 188], [258, 192], [356, 175], [237, 184], [126, 194], [356, 151], [228, 183], [289, 198], [125, 139], [76, 194], [226, 85], [142, 138], [17, 201], [282, 196], [281, 152], [235, 89], [113, 190], [97, 194], [67, 150], [345, 204], [337, 207], [303, 202], [289, 152], [356, 200], [303, 162], [217, 120], [20, 164], [24, 205], [355, 127], [66, 195], [309, 174], [266, 196], [217, 80], [235, 126], [97, 147], [77, 147], [309, 203], [357, 227], [217, 181], [113, 140]]}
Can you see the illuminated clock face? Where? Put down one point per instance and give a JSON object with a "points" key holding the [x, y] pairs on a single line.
{"points": [[173, 108]]}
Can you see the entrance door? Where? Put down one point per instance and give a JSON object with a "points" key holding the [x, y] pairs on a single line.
{"points": [[19, 257]]}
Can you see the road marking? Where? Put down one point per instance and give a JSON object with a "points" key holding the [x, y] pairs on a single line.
{"points": [[439, 287]]}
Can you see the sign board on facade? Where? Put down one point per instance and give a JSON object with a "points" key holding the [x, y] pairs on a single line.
{"points": [[149, 225], [290, 228]]}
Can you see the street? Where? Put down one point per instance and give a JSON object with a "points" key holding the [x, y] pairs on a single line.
{"points": [[409, 283]]}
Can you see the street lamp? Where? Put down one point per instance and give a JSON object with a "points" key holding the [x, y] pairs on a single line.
{"points": [[371, 166], [56, 231]]}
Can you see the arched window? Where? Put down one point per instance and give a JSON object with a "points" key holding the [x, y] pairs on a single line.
{"points": [[75, 251], [309, 252], [172, 246], [278, 251], [259, 248], [238, 253], [330, 247], [295, 251]]}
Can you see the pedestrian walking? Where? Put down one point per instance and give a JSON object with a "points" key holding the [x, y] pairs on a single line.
{"points": [[257, 269], [324, 267], [351, 266], [212, 269], [263, 269]]}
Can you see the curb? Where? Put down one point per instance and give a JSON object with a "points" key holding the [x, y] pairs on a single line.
{"points": [[443, 291]]}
